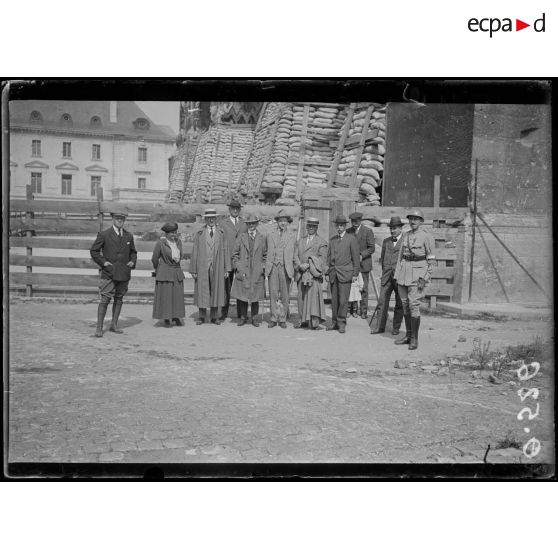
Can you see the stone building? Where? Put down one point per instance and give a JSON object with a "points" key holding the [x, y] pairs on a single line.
{"points": [[66, 149]]}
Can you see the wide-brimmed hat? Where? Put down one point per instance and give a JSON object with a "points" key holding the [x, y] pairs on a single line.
{"points": [[416, 213], [119, 213], [314, 221], [355, 215], [169, 227], [395, 221], [283, 215], [340, 220], [235, 203], [211, 212], [251, 218]]}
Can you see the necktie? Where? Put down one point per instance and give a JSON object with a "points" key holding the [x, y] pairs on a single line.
{"points": [[211, 232], [120, 233]]}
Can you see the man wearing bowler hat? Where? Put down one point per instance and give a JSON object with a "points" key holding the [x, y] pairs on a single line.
{"points": [[115, 253], [388, 259], [232, 226], [209, 267], [343, 259], [412, 273], [367, 245]]}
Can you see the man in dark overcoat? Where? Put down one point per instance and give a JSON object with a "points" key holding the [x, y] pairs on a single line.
{"points": [[367, 246], [209, 267], [249, 257], [343, 259], [388, 259], [115, 253], [233, 226]]}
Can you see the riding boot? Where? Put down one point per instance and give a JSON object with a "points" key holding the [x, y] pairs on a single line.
{"points": [[363, 310], [101, 312], [415, 324], [116, 307], [407, 339]]}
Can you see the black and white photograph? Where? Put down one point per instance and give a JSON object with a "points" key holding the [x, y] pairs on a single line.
{"points": [[278, 276]]}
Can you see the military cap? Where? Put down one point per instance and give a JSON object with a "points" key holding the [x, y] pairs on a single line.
{"points": [[169, 227], [416, 213], [355, 215], [122, 213]]}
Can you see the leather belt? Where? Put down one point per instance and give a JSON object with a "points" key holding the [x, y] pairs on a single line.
{"points": [[414, 258]]}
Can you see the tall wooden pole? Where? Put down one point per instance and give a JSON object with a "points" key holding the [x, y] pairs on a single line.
{"points": [[474, 230]]}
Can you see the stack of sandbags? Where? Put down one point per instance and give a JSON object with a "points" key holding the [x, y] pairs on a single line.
{"points": [[260, 148], [322, 127], [177, 179], [371, 167], [219, 161]]}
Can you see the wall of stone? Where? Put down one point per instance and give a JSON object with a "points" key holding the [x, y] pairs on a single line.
{"points": [[512, 144]]}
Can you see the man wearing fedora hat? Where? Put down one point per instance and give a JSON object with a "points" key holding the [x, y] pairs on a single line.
{"points": [[388, 259], [279, 268], [209, 267], [233, 226], [343, 259], [412, 273], [310, 258], [115, 253], [367, 246], [249, 256]]}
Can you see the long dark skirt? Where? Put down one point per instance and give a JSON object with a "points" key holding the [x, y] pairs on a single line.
{"points": [[169, 300]]}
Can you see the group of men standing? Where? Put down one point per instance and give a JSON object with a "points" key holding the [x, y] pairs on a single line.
{"points": [[231, 258]]}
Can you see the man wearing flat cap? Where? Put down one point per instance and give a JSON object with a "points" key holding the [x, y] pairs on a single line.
{"points": [[343, 259], [310, 260], [232, 226], [209, 266], [115, 253], [367, 246], [388, 259], [249, 256], [279, 268]]}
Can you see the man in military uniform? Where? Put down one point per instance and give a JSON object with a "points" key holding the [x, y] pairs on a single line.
{"points": [[367, 246], [233, 226], [413, 272], [390, 254], [114, 251]]}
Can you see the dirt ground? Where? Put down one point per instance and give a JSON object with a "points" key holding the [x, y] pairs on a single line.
{"points": [[225, 394]]}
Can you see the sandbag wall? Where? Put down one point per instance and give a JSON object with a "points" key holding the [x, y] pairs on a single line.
{"points": [[321, 128], [182, 163], [250, 180], [219, 161], [371, 167]]}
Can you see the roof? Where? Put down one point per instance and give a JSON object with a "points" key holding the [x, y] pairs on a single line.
{"points": [[81, 113]]}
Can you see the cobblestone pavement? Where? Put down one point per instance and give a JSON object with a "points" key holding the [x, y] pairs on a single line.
{"points": [[233, 395]]}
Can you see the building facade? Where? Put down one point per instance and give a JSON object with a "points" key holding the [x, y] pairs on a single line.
{"points": [[68, 149]]}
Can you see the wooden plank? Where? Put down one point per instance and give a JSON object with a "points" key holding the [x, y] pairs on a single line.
{"points": [[246, 161], [445, 253], [62, 279], [69, 262], [460, 278], [443, 272], [302, 151], [341, 145], [360, 148], [435, 289], [384, 213]]}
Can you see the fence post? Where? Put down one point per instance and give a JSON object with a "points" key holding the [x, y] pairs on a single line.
{"points": [[100, 199], [29, 235]]}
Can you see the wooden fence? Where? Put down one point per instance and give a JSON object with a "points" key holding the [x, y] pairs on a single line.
{"points": [[39, 224]]}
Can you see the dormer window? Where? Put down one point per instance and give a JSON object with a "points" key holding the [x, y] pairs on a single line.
{"points": [[66, 119], [141, 124], [95, 121], [35, 116]]}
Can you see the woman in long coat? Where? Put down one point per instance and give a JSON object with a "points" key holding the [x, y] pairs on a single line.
{"points": [[248, 258], [168, 303], [209, 267], [310, 258]]}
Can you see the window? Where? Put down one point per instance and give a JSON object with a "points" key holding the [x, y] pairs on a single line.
{"points": [[66, 119], [66, 184], [141, 123], [35, 116], [66, 149], [95, 183], [95, 121], [36, 182], [142, 183], [142, 154], [36, 148], [96, 154]]}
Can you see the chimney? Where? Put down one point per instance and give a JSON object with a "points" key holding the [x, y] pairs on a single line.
{"points": [[113, 107]]}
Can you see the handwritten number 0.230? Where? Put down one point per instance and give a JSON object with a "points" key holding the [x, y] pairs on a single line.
{"points": [[532, 446]]}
